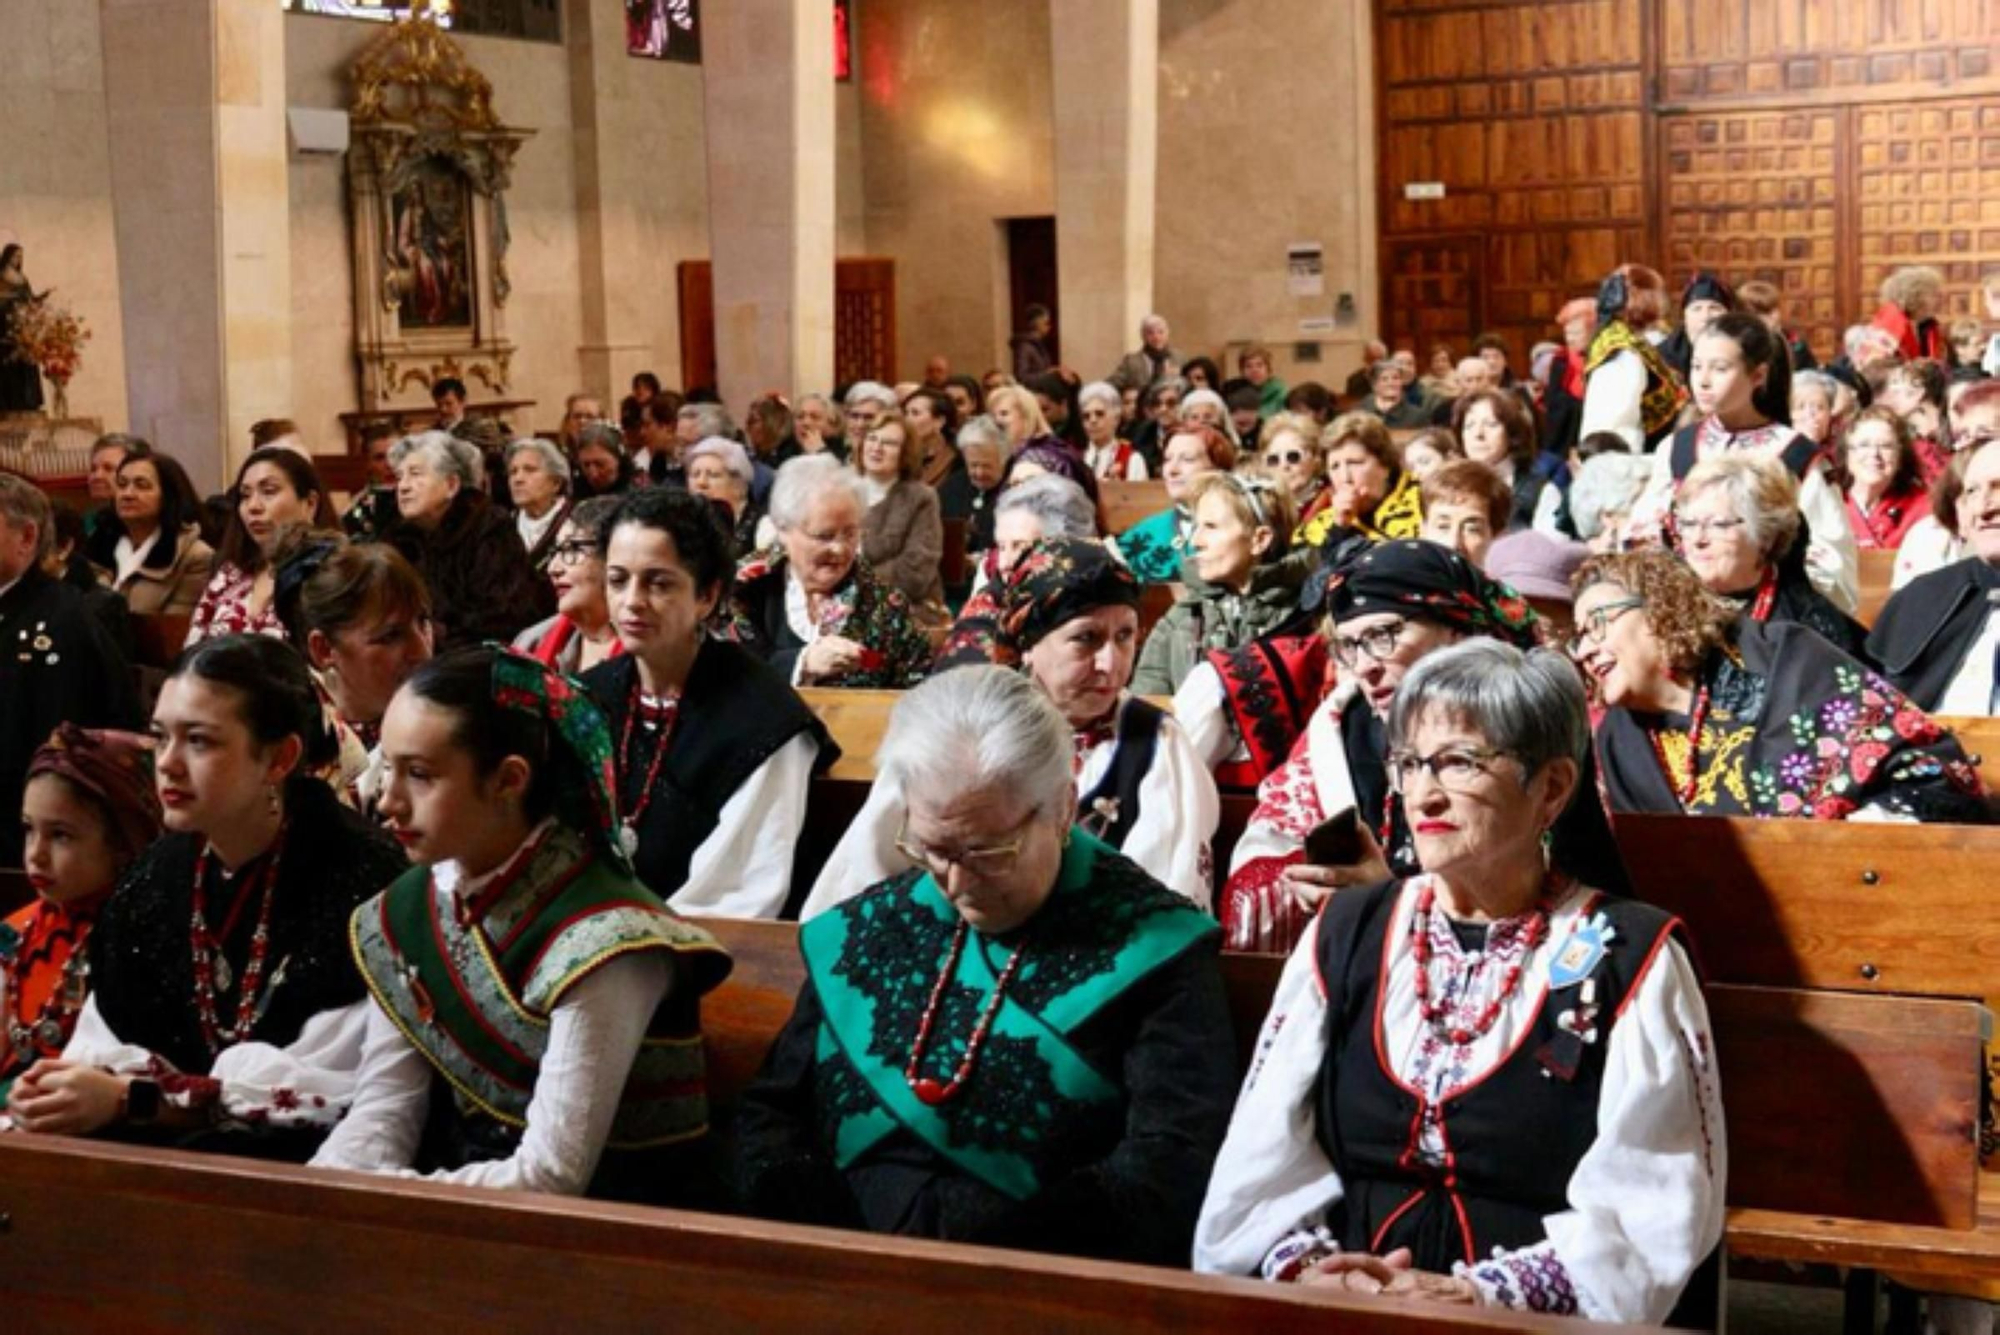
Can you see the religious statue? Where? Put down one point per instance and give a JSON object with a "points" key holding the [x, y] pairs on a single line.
{"points": [[20, 377]]}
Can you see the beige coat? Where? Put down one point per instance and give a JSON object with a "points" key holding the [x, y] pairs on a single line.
{"points": [[170, 591]]}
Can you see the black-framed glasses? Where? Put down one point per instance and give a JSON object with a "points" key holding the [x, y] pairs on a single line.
{"points": [[1456, 769], [1378, 642], [571, 552], [1593, 626]]}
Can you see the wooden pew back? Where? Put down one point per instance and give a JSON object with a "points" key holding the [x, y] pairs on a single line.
{"points": [[157, 640], [1902, 1072], [120, 1237], [1878, 567], [1124, 504]]}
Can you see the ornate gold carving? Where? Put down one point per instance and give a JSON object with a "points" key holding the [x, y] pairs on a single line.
{"points": [[412, 71]]}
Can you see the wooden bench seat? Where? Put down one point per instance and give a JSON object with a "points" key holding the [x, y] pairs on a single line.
{"points": [[1123, 504]]}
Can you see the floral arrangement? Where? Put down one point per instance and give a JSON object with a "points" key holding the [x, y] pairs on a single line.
{"points": [[52, 338]]}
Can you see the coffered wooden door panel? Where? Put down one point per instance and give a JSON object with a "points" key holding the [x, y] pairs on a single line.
{"points": [[1927, 187], [1755, 194], [1435, 293]]}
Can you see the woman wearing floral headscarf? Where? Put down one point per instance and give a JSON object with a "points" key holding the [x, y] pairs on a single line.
{"points": [[521, 975], [88, 811], [1066, 616], [1389, 606]]}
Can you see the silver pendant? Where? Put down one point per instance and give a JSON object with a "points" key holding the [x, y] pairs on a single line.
{"points": [[20, 1041], [49, 1033], [225, 977]]}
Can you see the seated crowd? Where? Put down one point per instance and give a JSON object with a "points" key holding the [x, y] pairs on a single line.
{"points": [[401, 864]]}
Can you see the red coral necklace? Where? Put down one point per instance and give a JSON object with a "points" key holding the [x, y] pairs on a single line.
{"points": [[929, 1090]]}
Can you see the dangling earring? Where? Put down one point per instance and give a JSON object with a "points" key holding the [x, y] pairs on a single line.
{"points": [[1548, 846], [271, 800]]}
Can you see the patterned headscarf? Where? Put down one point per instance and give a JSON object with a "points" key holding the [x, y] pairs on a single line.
{"points": [[116, 768], [1423, 579], [1055, 581], [587, 787]]}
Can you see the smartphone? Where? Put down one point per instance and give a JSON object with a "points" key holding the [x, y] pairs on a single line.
{"points": [[1336, 841]]}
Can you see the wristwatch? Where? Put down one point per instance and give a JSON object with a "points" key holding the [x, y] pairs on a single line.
{"points": [[142, 1102]]}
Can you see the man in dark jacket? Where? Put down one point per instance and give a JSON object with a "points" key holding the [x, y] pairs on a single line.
{"points": [[1939, 639]]}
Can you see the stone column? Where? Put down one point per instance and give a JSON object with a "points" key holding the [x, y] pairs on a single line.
{"points": [[767, 76], [1106, 56], [195, 107]]}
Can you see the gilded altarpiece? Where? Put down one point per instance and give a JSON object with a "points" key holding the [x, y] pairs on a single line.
{"points": [[428, 169]]}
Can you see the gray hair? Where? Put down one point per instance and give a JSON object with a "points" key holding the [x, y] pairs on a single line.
{"points": [[445, 453], [1178, 384], [1150, 321], [713, 417], [1818, 382], [870, 391], [1762, 493], [23, 503], [983, 430], [592, 518], [1530, 705], [801, 482], [1210, 398], [1101, 391], [975, 728], [552, 458], [1606, 483], [603, 435], [1058, 503], [731, 455]]}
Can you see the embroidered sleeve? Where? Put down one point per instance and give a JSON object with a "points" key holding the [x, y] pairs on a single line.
{"points": [[1286, 1261], [1531, 1279]]}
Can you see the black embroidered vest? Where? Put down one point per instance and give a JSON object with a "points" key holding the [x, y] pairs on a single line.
{"points": [[1138, 741]]}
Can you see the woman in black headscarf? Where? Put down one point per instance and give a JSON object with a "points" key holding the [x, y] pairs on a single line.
{"points": [[1388, 607]]}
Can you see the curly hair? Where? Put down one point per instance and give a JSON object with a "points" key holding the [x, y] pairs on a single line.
{"points": [[1688, 620]]}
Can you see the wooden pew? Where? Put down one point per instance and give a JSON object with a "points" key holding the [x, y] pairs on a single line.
{"points": [[157, 640], [103, 1236], [1126, 503], [1886, 910], [1877, 568], [954, 566]]}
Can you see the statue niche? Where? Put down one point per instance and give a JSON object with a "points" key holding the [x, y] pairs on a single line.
{"points": [[428, 171]]}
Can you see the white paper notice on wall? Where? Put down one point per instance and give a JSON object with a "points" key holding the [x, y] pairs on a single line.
{"points": [[1305, 268], [1423, 190], [1316, 324]]}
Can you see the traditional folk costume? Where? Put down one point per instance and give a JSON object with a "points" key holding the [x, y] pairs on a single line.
{"points": [[1939, 640], [712, 783], [1788, 726], [1628, 387], [1062, 1088], [1140, 786], [1340, 762], [236, 992], [1154, 548], [1245, 709], [770, 614], [1785, 592], [1210, 617], [1530, 1104], [1884, 525], [529, 1020], [1831, 558], [1399, 514], [225, 609], [44, 956]]}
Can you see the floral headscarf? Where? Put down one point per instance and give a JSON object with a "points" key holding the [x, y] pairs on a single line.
{"points": [[1418, 578], [1055, 581], [587, 795]]}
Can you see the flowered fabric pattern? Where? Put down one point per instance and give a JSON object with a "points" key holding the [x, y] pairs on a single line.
{"points": [[1425, 579], [1154, 547], [1054, 582], [532, 687], [863, 610], [224, 609]]}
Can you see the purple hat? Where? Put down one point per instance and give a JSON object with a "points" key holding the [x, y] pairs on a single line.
{"points": [[1536, 565]]}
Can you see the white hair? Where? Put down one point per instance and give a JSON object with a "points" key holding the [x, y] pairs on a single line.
{"points": [[1101, 391], [1060, 505], [1210, 397], [714, 418], [444, 453], [1606, 483], [978, 728], [870, 391], [803, 480], [552, 458], [983, 430], [732, 456], [1150, 321]]}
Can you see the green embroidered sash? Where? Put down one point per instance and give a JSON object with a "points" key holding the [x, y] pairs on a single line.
{"points": [[475, 999], [874, 960]]}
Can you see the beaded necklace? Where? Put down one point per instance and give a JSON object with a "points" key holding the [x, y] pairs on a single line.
{"points": [[659, 714], [211, 969], [1434, 1012], [1767, 597], [926, 1088], [56, 1016], [1685, 786]]}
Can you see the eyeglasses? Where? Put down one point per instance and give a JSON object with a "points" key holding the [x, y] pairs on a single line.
{"points": [[1702, 528], [1094, 413], [571, 552], [1378, 643], [846, 537], [1457, 769], [984, 863], [1282, 458], [1597, 621]]}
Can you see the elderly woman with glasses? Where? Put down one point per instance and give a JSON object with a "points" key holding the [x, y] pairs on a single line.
{"points": [[1066, 616], [466, 548], [1710, 712], [1101, 406], [812, 606], [580, 635], [1736, 521], [1021, 1039], [1238, 583], [1327, 819], [1490, 1083]]}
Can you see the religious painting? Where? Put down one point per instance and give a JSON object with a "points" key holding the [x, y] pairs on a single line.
{"points": [[430, 246], [664, 30]]}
